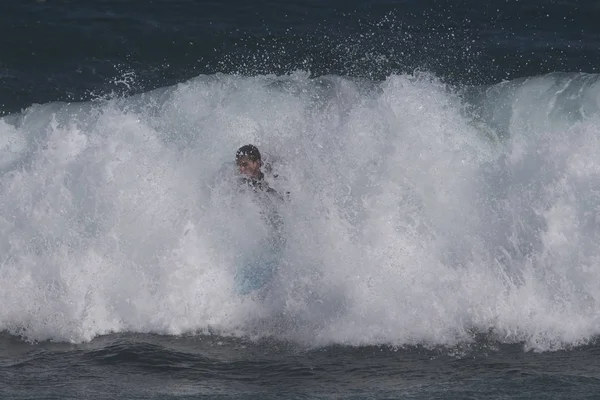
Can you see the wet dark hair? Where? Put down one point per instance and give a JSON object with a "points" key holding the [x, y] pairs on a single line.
{"points": [[249, 151]]}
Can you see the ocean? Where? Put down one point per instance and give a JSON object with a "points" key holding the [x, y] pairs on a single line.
{"points": [[440, 228]]}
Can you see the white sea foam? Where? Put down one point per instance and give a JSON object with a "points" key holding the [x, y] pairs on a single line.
{"points": [[410, 219]]}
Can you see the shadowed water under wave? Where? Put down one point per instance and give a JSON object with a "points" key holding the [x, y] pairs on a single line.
{"points": [[161, 367]]}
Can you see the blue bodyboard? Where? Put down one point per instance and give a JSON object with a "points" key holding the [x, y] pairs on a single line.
{"points": [[255, 275]]}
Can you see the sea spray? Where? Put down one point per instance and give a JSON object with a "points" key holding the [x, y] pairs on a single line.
{"points": [[416, 213]]}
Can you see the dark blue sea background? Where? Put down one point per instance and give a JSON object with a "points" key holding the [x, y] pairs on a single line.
{"points": [[440, 232]]}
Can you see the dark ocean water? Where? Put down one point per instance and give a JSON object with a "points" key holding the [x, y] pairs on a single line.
{"points": [[63, 50], [153, 367], [441, 160]]}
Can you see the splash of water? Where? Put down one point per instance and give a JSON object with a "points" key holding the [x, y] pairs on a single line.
{"points": [[416, 215]]}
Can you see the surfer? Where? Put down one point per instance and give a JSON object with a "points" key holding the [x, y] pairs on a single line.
{"points": [[249, 163], [256, 275]]}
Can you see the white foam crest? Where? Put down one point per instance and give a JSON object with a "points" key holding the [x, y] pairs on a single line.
{"points": [[406, 223]]}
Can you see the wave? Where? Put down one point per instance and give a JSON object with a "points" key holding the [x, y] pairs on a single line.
{"points": [[419, 213]]}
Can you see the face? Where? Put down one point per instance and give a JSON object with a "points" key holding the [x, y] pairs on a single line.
{"points": [[248, 167]]}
